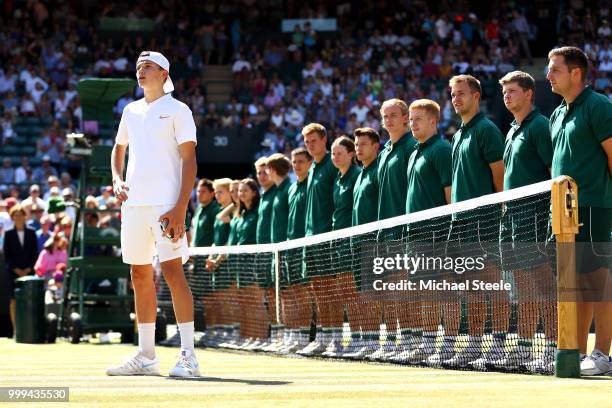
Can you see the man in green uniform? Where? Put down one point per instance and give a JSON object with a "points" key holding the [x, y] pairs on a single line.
{"points": [[365, 208], [392, 163], [297, 292], [319, 211], [202, 234], [264, 262], [478, 169], [202, 223], [581, 131], [527, 159], [264, 219], [278, 166], [429, 184]]}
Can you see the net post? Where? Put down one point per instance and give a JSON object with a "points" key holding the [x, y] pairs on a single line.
{"points": [[564, 199], [277, 268]]}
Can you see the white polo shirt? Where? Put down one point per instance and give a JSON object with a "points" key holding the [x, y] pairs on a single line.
{"points": [[154, 132]]}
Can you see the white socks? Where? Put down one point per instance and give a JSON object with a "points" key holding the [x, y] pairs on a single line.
{"points": [[146, 339], [186, 332]]}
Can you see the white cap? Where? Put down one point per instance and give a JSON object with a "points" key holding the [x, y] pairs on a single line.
{"points": [[159, 59]]}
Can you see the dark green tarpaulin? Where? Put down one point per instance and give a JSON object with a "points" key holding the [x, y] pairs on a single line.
{"points": [[98, 96]]}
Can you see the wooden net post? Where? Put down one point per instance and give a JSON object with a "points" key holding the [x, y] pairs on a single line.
{"points": [[564, 198]]}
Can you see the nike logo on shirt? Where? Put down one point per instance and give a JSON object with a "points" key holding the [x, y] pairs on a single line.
{"points": [[164, 117]]}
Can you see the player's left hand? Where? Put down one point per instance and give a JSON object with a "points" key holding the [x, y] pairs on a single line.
{"points": [[176, 223]]}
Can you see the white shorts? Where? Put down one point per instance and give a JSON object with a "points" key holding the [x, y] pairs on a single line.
{"points": [[142, 238]]}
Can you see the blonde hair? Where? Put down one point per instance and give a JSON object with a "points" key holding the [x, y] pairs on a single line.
{"points": [[91, 202], [472, 82], [222, 182], [314, 127], [262, 161], [431, 107], [403, 107]]}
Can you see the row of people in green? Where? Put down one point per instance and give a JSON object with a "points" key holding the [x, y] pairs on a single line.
{"points": [[417, 170]]}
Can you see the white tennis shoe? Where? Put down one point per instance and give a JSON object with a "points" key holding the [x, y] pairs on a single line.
{"points": [[136, 365], [186, 366]]}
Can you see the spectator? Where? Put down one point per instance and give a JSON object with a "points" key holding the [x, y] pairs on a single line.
{"points": [[102, 199], [41, 173], [28, 106], [66, 181], [21, 171], [520, 27], [240, 64], [20, 251], [68, 197], [52, 181], [53, 253], [5, 219], [34, 198], [34, 217], [8, 80], [606, 64], [7, 172], [7, 127], [361, 111], [44, 232]]}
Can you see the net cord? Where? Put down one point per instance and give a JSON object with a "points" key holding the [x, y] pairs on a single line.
{"points": [[445, 210]]}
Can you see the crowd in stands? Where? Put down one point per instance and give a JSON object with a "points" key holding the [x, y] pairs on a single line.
{"points": [[53, 224], [281, 81]]}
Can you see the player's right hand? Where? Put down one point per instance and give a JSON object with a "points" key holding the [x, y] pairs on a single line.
{"points": [[211, 265], [120, 190]]}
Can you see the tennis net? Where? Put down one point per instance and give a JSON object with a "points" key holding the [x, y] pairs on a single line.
{"points": [[468, 285]]}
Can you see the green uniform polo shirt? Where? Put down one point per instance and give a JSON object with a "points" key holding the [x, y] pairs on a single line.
{"points": [[365, 195], [297, 199], [296, 225], [528, 152], [203, 224], [475, 145], [343, 198], [232, 237], [280, 212], [246, 229], [320, 196], [577, 132], [264, 220], [392, 163], [221, 232], [429, 172]]}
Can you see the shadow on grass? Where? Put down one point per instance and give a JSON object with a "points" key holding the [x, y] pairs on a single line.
{"points": [[229, 380]]}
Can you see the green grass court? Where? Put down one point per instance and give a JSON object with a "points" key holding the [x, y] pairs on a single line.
{"points": [[248, 380]]}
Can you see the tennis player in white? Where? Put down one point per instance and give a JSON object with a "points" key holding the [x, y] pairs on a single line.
{"points": [[161, 170]]}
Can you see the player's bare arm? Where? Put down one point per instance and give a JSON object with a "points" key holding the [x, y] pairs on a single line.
{"points": [[497, 171], [120, 188], [607, 146], [176, 216]]}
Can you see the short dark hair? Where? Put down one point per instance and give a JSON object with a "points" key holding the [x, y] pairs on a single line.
{"points": [[207, 184], [522, 79], [301, 150], [369, 132], [574, 57]]}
